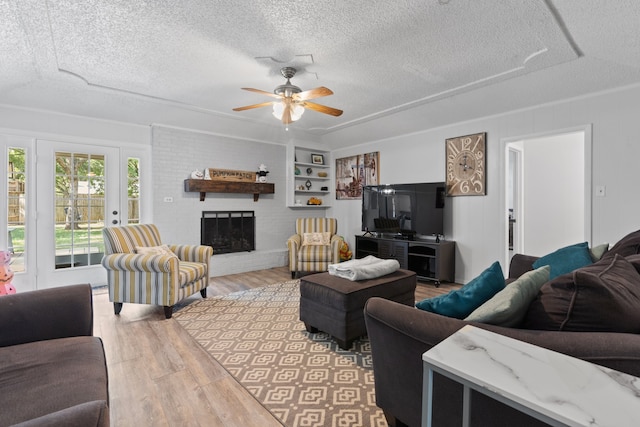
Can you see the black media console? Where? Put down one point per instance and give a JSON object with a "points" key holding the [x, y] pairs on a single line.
{"points": [[430, 260]]}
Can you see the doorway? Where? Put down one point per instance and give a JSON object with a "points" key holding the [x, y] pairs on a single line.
{"points": [[78, 194], [547, 191], [73, 189]]}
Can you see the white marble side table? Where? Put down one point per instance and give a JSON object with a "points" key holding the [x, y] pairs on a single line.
{"points": [[558, 389]]}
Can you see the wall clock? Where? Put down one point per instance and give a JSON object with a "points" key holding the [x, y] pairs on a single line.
{"points": [[466, 162]]}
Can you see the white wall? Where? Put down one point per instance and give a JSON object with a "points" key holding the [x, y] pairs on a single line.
{"points": [[68, 128], [478, 223], [553, 169], [178, 152]]}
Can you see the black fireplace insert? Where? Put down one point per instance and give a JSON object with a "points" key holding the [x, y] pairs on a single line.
{"points": [[228, 231]]}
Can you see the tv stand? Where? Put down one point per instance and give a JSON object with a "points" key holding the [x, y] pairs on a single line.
{"points": [[431, 260]]}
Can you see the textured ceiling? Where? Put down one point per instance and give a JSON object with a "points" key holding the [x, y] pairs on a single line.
{"points": [[183, 63]]}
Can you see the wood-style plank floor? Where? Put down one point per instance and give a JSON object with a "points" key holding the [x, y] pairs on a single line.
{"points": [[159, 376]]}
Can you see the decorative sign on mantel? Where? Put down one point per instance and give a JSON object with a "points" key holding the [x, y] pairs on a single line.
{"points": [[230, 175]]}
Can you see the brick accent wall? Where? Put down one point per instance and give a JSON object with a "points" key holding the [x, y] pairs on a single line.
{"points": [[177, 152]]}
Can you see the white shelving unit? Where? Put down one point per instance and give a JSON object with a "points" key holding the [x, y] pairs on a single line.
{"points": [[303, 180]]}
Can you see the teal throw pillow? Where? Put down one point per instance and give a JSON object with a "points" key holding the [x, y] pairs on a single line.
{"points": [[566, 259], [509, 306], [461, 302]]}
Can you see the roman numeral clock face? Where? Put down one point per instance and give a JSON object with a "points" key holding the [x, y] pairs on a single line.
{"points": [[466, 165]]}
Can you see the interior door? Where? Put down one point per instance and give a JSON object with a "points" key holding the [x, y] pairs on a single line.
{"points": [[78, 194]]}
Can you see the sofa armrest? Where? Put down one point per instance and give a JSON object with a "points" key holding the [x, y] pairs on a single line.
{"points": [[294, 242], [192, 253], [140, 263], [293, 245], [519, 265], [89, 414], [400, 334], [336, 243], [46, 314]]}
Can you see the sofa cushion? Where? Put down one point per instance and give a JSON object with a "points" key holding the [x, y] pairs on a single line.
{"points": [[628, 245], [51, 375], [565, 260], [508, 307], [191, 271], [603, 297], [461, 302], [315, 253], [635, 261]]}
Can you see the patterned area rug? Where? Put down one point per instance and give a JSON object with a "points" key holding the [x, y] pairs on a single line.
{"points": [[303, 379]]}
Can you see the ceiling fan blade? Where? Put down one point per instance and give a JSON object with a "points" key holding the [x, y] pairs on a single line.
{"points": [[322, 108], [312, 93], [263, 92], [249, 107]]}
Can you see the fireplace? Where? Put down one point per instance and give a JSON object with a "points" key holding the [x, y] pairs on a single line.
{"points": [[228, 231]]}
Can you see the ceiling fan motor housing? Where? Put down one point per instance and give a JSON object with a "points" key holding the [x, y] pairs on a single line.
{"points": [[287, 89]]}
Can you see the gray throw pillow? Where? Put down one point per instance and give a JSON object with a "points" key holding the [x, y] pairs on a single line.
{"points": [[598, 251], [508, 307]]}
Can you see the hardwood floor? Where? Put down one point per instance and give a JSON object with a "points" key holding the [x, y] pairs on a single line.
{"points": [[159, 376]]}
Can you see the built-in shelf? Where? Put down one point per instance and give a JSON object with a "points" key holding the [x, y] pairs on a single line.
{"points": [[304, 180], [204, 186]]}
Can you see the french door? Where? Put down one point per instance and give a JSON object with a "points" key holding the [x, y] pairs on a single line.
{"points": [[78, 194]]}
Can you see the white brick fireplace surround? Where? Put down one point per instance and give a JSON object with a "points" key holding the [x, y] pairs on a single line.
{"points": [[177, 152]]}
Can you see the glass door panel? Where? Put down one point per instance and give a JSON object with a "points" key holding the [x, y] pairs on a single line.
{"points": [[16, 207], [79, 209], [74, 204], [133, 190]]}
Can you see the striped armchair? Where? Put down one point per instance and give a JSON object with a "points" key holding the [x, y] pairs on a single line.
{"points": [[142, 270], [313, 257]]}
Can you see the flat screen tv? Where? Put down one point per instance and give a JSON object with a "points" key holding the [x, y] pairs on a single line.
{"points": [[409, 210]]}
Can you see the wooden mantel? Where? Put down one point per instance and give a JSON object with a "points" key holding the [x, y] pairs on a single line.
{"points": [[204, 186]]}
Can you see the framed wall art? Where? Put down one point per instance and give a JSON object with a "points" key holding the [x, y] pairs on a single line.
{"points": [[317, 159], [466, 165], [354, 172]]}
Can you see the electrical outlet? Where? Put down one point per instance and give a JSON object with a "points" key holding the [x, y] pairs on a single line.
{"points": [[601, 190], [168, 199]]}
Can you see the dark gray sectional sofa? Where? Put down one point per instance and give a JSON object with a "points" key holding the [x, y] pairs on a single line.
{"points": [[400, 334], [53, 372]]}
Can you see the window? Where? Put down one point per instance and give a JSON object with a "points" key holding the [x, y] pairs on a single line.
{"points": [[133, 190], [16, 207]]}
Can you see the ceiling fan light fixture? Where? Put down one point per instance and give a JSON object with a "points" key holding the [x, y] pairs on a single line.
{"points": [[296, 111]]}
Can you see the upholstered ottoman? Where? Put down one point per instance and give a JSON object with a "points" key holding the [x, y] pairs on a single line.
{"points": [[335, 305]]}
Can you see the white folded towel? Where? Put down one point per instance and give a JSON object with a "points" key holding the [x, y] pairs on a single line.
{"points": [[368, 267]]}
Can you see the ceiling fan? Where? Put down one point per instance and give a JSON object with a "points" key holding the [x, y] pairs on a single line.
{"points": [[291, 100]]}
